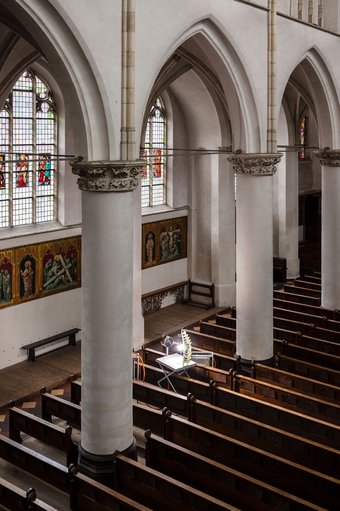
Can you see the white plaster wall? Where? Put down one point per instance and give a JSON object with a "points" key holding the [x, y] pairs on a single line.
{"points": [[31, 321]]}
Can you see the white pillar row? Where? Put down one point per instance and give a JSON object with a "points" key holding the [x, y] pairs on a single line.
{"points": [[254, 255], [330, 228], [223, 255], [106, 350], [288, 218]]}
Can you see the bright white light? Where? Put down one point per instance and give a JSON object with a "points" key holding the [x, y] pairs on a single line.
{"points": [[180, 347]]}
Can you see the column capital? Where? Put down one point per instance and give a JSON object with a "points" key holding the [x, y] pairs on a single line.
{"points": [[107, 176], [329, 157], [255, 164]]}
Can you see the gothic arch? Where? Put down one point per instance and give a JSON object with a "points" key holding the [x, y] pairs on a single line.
{"points": [[204, 48], [311, 78], [54, 47]]}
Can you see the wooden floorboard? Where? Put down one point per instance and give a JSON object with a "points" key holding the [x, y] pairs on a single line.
{"points": [[27, 378]]}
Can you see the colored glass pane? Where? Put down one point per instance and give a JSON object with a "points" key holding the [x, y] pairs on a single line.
{"points": [[28, 146]]}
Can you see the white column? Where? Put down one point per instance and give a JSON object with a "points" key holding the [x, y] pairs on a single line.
{"points": [[106, 350], [254, 255], [288, 206], [223, 255], [330, 228]]}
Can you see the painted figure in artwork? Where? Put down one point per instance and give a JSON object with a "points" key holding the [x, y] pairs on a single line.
{"points": [[7, 287], [150, 248], [2, 172], [27, 277], [44, 170], [22, 171]]}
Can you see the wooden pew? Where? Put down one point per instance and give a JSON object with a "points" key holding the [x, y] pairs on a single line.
{"points": [[51, 434], [311, 284], [161, 492], [14, 498], [58, 407], [281, 300], [305, 317], [310, 405], [313, 371], [296, 382], [305, 483], [312, 356], [217, 479], [212, 343], [272, 439], [34, 463], [311, 278], [88, 495], [286, 330], [306, 291], [295, 297], [212, 329]]}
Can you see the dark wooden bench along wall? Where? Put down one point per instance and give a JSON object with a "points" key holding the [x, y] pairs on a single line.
{"points": [[31, 347]]}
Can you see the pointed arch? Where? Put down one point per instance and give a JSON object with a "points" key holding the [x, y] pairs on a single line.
{"points": [[226, 80], [311, 77]]}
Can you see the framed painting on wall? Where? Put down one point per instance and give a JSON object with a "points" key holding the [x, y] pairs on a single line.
{"points": [[172, 238], [7, 269]]}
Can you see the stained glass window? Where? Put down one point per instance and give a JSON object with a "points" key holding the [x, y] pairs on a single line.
{"points": [[28, 137], [153, 180], [302, 137]]}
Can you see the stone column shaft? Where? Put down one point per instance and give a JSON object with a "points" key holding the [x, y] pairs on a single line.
{"points": [[106, 352], [254, 255], [330, 228]]}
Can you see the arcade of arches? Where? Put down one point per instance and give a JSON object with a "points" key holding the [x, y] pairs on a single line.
{"points": [[224, 118]]}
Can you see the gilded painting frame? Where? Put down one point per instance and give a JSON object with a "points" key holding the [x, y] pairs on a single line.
{"points": [[164, 241], [22, 276]]}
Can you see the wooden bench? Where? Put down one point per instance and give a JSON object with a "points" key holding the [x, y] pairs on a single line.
{"points": [[305, 483], [279, 269], [212, 343], [282, 300], [161, 492], [14, 498], [297, 297], [71, 334], [58, 407], [34, 463], [289, 398], [294, 381], [206, 291], [307, 354], [302, 282], [267, 437], [51, 434], [292, 288], [303, 368], [217, 479], [308, 318]]}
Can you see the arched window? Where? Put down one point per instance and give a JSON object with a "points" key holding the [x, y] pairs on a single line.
{"points": [[153, 180], [28, 146], [302, 137]]}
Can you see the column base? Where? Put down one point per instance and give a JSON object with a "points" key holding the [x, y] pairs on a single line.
{"points": [[245, 365], [101, 467]]}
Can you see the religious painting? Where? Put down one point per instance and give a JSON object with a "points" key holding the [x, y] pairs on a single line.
{"points": [[172, 239], [6, 277], [27, 264], [164, 241], [21, 173], [149, 246], [60, 265], [44, 170], [2, 172]]}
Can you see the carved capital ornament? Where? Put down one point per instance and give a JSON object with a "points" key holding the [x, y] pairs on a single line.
{"points": [[255, 164], [107, 176], [329, 157]]}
